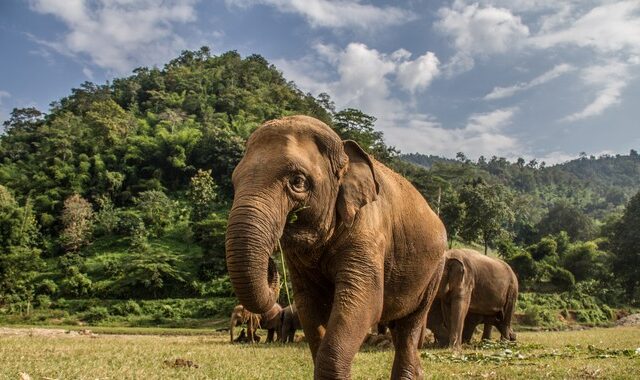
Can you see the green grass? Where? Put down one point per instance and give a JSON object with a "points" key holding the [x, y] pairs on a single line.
{"points": [[595, 353]]}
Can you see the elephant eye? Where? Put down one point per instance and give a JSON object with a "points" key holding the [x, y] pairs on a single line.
{"points": [[299, 183]]}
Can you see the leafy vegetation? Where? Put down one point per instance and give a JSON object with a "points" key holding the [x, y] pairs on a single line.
{"points": [[113, 205]]}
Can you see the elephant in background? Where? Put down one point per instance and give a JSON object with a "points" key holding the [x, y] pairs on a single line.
{"points": [[269, 320], [362, 244], [474, 289], [290, 323]]}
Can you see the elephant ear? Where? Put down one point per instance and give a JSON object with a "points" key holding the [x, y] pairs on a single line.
{"points": [[358, 185]]}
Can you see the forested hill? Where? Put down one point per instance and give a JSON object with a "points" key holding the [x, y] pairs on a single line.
{"points": [[121, 191], [596, 185]]}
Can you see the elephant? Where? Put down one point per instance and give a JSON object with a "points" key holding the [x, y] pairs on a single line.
{"points": [[474, 289], [269, 321], [290, 323], [361, 243]]}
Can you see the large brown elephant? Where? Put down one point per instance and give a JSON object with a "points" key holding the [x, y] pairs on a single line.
{"points": [[361, 243], [474, 289]]}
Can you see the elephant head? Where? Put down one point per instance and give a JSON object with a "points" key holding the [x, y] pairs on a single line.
{"points": [[297, 181]]}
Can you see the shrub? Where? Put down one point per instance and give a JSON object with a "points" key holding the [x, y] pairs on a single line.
{"points": [[95, 314], [47, 287], [126, 308], [539, 316], [156, 210], [107, 218], [128, 221], [43, 301], [583, 261], [562, 279], [524, 266], [76, 284], [546, 247]]}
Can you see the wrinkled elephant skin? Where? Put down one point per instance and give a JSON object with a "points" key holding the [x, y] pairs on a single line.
{"points": [[474, 289], [361, 243]]}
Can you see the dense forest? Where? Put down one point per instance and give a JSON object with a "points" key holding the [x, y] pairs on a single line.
{"points": [[113, 204]]}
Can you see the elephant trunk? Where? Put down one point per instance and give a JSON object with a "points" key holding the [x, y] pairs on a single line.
{"points": [[252, 234]]}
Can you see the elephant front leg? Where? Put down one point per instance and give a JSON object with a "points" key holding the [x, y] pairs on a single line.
{"points": [[357, 303], [459, 307]]}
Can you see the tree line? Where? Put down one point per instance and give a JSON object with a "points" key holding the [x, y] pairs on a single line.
{"points": [[122, 190]]}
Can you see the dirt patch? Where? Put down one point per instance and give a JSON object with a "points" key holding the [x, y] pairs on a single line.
{"points": [[11, 331], [629, 320]]}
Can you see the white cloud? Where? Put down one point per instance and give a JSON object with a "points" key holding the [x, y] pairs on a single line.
{"points": [[610, 80], [610, 27], [365, 76], [483, 134], [504, 92], [87, 72], [479, 31], [336, 14], [119, 35], [4, 94], [417, 75]]}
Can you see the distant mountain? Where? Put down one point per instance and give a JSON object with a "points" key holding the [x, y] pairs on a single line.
{"points": [[597, 185]]}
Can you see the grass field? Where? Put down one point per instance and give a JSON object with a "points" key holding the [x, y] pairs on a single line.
{"points": [[54, 354]]}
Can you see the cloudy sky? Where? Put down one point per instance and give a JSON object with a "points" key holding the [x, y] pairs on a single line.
{"points": [[531, 78]]}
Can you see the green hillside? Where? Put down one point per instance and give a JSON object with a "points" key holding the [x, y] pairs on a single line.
{"points": [[113, 203]]}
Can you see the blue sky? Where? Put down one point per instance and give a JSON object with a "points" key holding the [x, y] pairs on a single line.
{"points": [[515, 78]]}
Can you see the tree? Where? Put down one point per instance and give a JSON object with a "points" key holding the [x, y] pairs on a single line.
{"points": [[547, 247], [353, 124], [19, 256], [452, 213], [202, 195], [625, 246], [487, 212], [156, 210], [585, 261], [524, 266], [77, 219], [564, 217]]}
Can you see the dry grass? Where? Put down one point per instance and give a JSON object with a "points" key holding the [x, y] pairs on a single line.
{"points": [[595, 353]]}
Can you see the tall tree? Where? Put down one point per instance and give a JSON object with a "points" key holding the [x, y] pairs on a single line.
{"points": [[488, 211], [625, 245]]}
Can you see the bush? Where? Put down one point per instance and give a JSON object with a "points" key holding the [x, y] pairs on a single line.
{"points": [[156, 210], [107, 218], [583, 260], [524, 266], [562, 279], [76, 284], [546, 247], [95, 314], [216, 307], [126, 308], [47, 287], [128, 221], [43, 302], [539, 317]]}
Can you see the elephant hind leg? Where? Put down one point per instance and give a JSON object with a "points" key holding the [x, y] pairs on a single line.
{"points": [[406, 335], [486, 332]]}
